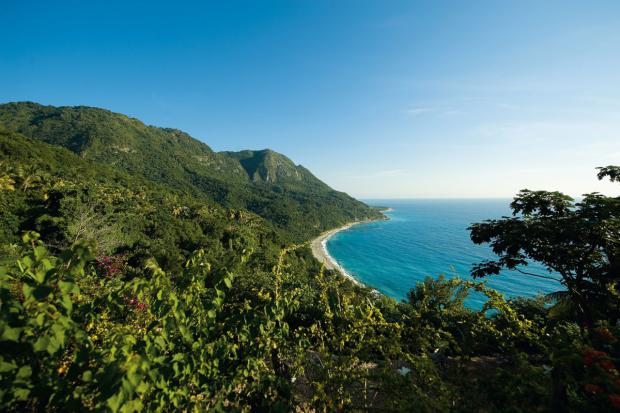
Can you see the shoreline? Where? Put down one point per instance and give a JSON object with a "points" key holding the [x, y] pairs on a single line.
{"points": [[319, 248]]}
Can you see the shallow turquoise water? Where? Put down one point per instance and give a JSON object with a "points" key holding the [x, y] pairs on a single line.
{"points": [[428, 237]]}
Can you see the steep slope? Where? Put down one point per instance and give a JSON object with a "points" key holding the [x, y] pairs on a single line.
{"points": [[263, 182], [161, 154], [50, 189], [269, 167]]}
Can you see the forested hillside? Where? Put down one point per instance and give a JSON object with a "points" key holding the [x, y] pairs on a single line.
{"points": [[270, 167], [68, 199], [263, 182], [131, 281]]}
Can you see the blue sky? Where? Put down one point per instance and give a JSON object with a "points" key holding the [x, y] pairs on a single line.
{"points": [[382, 99]]}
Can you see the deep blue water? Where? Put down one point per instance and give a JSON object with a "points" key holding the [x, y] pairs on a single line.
{"points": [[428, 237]]}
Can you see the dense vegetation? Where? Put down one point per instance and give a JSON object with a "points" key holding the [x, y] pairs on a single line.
{"points": [[264, 182], [127, 289]]}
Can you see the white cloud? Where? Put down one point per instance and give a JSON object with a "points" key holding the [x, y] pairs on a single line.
{"points": [[419, 111]]}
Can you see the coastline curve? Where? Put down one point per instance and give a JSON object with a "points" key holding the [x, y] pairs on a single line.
{"points": [[320, 252]]}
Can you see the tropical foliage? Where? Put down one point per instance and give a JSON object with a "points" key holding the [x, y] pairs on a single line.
{"points": [[121, 291], [264, 182]]}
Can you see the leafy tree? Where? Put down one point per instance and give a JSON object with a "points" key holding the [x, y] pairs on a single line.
{"points": [[580, 241], [158, 281]]}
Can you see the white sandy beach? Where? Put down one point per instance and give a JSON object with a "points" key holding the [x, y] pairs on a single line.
{"points": [[319, 249]]}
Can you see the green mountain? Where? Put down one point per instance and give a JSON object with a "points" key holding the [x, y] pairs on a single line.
{"points": [[272, 168], [130, 281], [264, 182], [66, 198]]}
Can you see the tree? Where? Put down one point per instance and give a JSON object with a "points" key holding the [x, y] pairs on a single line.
{"points": [[580, 241]]}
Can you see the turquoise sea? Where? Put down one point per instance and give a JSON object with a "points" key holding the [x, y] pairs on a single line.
{"points": [[428, 237]]}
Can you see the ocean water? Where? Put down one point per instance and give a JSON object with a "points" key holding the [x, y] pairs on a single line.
{"points": [[428, 237]]}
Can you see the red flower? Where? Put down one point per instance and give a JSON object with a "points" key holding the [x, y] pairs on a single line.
{"points": [[607, 365], [592, 388], [136, 304], [109, 265], [605, 334], [591, 356], [614, 399]]}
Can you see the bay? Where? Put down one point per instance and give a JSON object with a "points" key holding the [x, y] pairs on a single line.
{"points": [[429, 237]]}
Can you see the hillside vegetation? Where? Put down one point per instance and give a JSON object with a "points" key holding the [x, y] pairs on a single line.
{"points": [[141, 271], [264, 182]]}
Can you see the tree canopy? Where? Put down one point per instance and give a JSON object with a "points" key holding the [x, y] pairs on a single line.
{"points": [[580, 241], [126, 288]]}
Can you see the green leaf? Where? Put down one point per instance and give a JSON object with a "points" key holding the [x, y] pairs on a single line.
{"points": [[27, 290], [41, 343], [59, 333], [40, 319], [26, 263], [67, 303], [87, 376], [21, 394], [24, 372], [7, 366], [39, 276], [47, 264], [67, 287], [39, 252], [11, 333], [115, 402]]}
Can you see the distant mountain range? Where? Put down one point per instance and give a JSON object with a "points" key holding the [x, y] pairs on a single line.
{"points": [[264, 182]]}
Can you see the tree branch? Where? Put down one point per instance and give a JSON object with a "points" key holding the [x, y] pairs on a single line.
{"points": [[537, 275]]}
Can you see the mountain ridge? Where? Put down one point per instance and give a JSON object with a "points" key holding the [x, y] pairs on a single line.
{"points": [[265, 182]]}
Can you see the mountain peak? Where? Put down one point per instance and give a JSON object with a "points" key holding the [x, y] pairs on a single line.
{"points": [[269, 167], [263, 181]]}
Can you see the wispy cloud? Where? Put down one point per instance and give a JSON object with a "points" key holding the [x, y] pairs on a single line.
{"points": [[611, 102], [552, 130], [419, 111], [431, 110]]}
